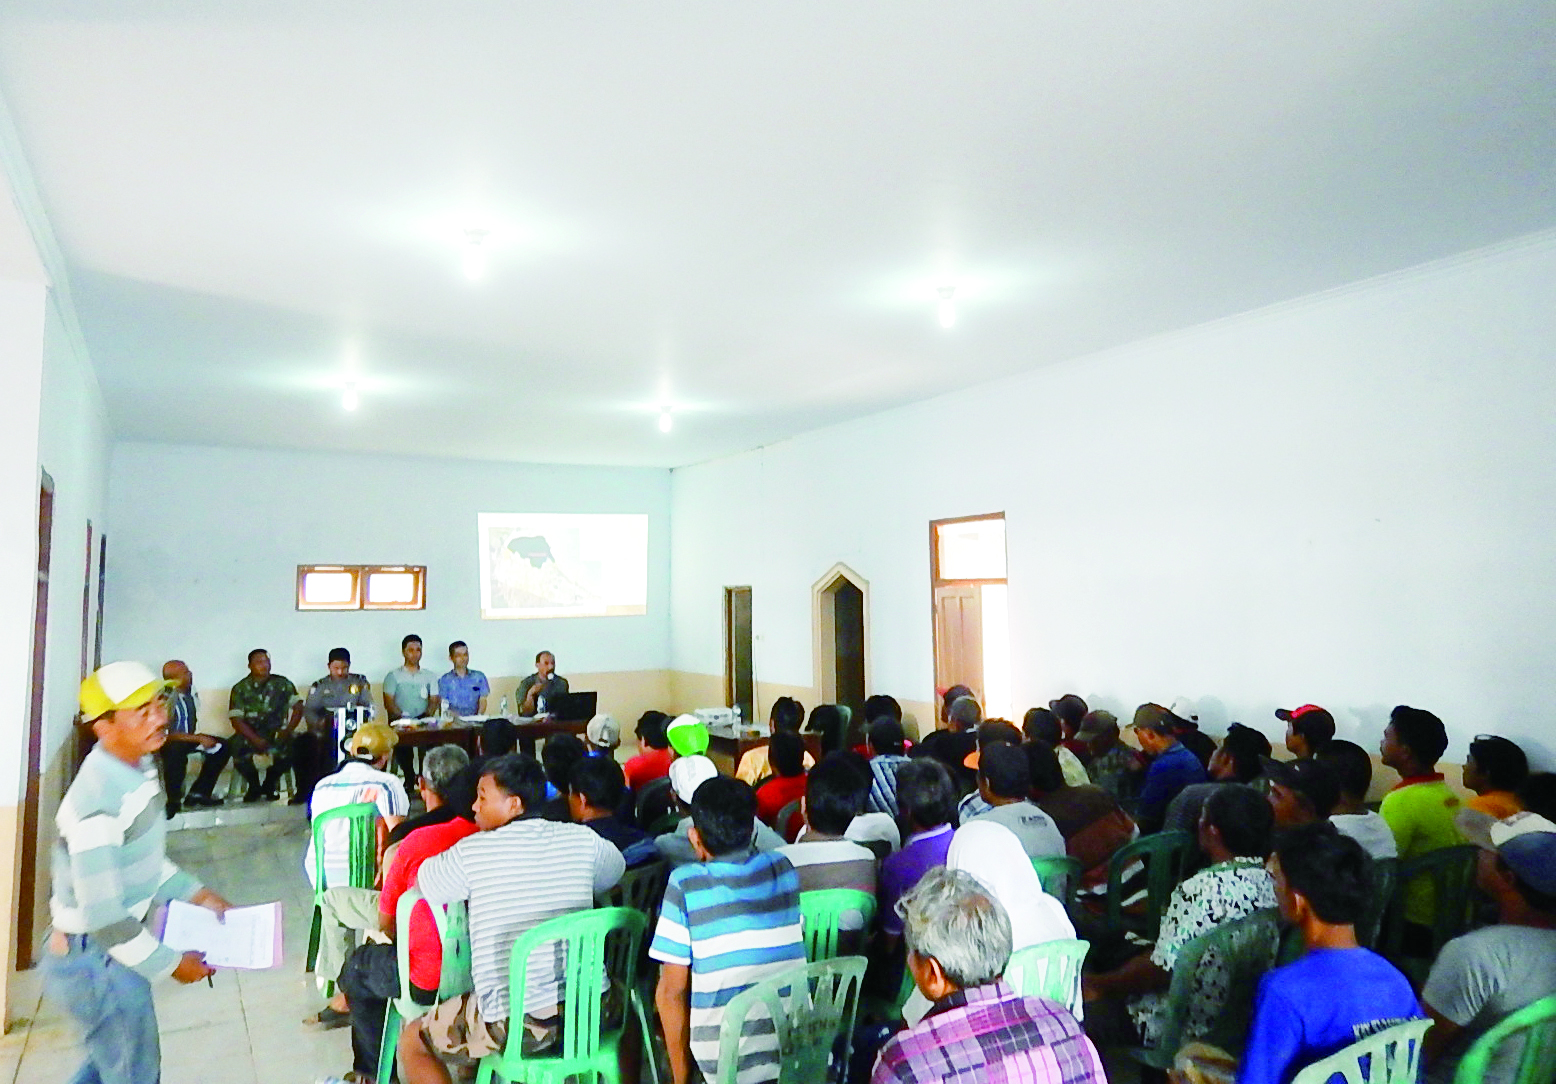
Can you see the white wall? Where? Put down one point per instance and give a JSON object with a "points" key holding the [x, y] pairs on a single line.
{"points": [[203, 558], [1348, 500]]}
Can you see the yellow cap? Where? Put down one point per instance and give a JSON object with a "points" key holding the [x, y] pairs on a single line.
{"points": [[373, 740], [119, 685]]}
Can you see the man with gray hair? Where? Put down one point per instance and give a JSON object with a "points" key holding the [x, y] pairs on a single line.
{"points": [[438, 767], [978, 1028], [952, 744]]}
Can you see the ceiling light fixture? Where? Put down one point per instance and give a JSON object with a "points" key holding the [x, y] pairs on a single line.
{"points": [[665, 421], [350, 400], [474, 258], [947, 306]]}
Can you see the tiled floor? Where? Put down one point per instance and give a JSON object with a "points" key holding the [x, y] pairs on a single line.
{"points": [[248, 1030]]}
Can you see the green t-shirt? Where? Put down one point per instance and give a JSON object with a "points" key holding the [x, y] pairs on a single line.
{"points": [[1420, 815]]}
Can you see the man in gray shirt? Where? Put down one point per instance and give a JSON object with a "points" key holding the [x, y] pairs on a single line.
{"points": [[1005, 781], [540, 689]]}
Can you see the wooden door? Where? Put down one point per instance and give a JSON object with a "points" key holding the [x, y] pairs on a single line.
{"points": [[27, 871], [959, 637], [739, 669], [848, 646]]}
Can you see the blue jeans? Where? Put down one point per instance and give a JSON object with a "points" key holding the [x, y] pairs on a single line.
{"points": [[114, 1007]]}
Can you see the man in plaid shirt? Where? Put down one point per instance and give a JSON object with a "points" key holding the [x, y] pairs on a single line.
{"points": [[979, 1028]]}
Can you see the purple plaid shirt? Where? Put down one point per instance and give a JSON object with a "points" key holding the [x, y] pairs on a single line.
{"points": [[992, 1035]]}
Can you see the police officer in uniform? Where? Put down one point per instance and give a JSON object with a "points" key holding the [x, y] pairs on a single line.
{"points": [[314, 749]]}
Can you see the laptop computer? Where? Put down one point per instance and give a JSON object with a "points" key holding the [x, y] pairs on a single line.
{"points": [[573, 707]]}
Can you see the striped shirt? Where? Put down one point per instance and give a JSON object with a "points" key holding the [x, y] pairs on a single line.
{"points": [[734, 921], [883, 783], [109, 865], [516, 877], [356, 781]]}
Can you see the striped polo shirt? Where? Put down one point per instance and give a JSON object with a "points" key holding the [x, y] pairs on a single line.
{"points": [[516, 877], [109, 865], [735, 921]]}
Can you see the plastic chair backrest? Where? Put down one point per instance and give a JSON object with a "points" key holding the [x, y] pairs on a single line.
{"points": [[1247, 946], [821, 910], [361, 845], [1164, 855], [1451, 871], [812, 1009], [1385, 875], [785, 820], [454, 937], [1536, 1023], [1391, 1056], [641, 889], [653, 801], [1059, 877], [1051, 970]]}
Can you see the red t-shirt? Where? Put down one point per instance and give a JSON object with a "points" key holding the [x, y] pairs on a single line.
{"points": [[776, 793], [647, 766], [426, 950]]}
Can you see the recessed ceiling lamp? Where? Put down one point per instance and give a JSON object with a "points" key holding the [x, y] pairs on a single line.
{"points": [[947, 306], [350, 400], [665, 421], [474, 258]]}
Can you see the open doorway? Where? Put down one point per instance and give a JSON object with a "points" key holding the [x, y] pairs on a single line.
{"points": [[970, 608], [739, 670], [840, 631], [27, 868]]}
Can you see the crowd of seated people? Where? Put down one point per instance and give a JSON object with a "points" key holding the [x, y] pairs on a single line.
{"points": [[944, 835]]}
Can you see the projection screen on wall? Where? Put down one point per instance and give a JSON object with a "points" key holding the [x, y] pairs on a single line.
{"points": [[558, 564]]}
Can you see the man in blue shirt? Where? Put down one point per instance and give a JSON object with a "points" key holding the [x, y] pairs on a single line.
{"points": [[1173, 766], [1337, 992], [464, 690]]}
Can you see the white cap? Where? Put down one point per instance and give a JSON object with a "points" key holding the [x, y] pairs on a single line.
{"points": [[1183, 708], [689, 773]]}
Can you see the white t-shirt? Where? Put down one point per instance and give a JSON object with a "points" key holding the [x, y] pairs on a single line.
{"points": [[356, 781], [874, 826], [1481, 978], [1370, 830]]}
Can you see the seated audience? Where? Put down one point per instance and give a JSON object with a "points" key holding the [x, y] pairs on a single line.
{"points": [[928, 804], [977, 1028], [1234, 833], [1420, 810], [602, 736], [1005, 782], [949, 697], [1538, 794], [1069, 711], [1352, 769], [1090, 819], [990, 732], [959, 737], [362, 778], [886, 756], [1308, 729], [787, 753], [561, 868], [868, 825], [786, 715], [441, 764], [653, 759], [558, 757], [1112, 765], [1172, 766], [686, 775], [1337, 991], [1185, 727], [826, 720], [729, 920], [876, 708], [824, 857], [1484, 976], [1496, 768], [370, 978], [1040, 724], [1238, 760], [595, 787], [1301, 791]]}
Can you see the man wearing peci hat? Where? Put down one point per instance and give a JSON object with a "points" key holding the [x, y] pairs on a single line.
{"points": [[687, 774], [109, 868], [1308, 729], [1481, 977]]}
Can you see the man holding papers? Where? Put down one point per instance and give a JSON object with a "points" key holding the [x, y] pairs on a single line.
{"points": [[110, 871]]}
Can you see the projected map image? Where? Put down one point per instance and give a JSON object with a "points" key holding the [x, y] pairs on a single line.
{"points": [[553, 564]]}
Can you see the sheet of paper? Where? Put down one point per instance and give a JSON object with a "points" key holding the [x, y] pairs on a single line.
{"points": [[246, 937]]}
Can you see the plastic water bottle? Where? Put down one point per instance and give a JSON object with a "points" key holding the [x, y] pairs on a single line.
{"points": [[735, 711], [503, 709]]}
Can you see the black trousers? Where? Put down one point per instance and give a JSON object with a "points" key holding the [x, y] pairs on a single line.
{"points": [[313, 757], [370, 980], [175, 767]]}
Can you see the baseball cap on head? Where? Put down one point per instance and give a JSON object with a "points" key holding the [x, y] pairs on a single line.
{"points": [[1525, 841], [1183, 708], [688, 735], [1096, 724], [688, 773], [1288, 714], [118, 685], [603, 732], [371, 741], [1152, 717], [1312, 779]]}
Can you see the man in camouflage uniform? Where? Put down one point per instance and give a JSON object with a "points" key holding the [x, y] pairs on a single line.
{"points": [[264, 709], [314, 749]]}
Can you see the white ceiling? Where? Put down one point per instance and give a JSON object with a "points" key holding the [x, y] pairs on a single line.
{"points": [[738, 208]]}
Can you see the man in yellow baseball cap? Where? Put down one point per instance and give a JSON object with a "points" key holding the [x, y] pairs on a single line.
{"points": [[109, 866]]}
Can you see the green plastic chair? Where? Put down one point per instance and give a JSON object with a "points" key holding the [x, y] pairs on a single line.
{"points": [[361, 860], [454, 979], [820, 912], [1536, 1065], [1392, 1056], [1165, 855], [1452, 874], [600, 942], [1249, 944], [1385, 877], [1051, 970], [812, 1009], [1059, 876]]}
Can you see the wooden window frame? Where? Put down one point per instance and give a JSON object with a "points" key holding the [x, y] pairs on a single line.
{"points": [[419, 599], [359, 577], [934, 551]]}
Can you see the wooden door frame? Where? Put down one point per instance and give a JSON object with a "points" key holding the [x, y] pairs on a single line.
{"points": [[729, 648], [935, 582], [823, 631], [27, 856]]}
